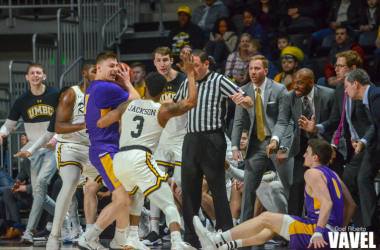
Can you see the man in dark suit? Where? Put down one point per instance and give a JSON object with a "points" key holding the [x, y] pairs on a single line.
{"points": [[358, 87], [349, 116], [267, 97], [309, 100]]}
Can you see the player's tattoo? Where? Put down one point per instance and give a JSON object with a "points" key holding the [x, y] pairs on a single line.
{"points": [[173, 108]]}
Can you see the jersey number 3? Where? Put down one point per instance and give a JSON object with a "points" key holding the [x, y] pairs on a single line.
{"points": [[139, 127]]}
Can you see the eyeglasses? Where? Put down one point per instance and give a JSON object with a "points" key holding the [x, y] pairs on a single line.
{"points": [[339, 66]]}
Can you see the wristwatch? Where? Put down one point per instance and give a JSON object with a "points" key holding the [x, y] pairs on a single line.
{"points": [[285, 149]]}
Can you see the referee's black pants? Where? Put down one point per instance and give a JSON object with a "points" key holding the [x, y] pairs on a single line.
{"points": [[204, 153]]}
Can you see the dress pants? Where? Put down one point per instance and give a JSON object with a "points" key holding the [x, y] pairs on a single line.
{"points": [[204, 153]]}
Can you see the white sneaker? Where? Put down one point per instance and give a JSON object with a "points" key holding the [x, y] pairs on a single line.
{"points": [[53, 243], [136, 244], [66, 228], [75, 234], [93, 244], [182, 246], [75, 241], [205, 236], [116, 245], [27, 238], [144, 223]]}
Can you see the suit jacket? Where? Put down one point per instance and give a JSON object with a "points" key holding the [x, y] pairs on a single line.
{"points": [[374, 104], [273, 98], [362, 125], [291, 109]]}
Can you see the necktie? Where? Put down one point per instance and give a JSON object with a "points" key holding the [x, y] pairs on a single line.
{"points": [[259, 117], [340, 127]]}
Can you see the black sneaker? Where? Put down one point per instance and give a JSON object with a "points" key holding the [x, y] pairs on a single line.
{"points": [[42, 235], [152, 239]]}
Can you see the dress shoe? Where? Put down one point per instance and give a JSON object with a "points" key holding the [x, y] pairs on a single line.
{"points": [[12, 233]]}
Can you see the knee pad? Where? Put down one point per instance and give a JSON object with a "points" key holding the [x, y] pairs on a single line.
{"points": [[137, 203], [171, 213]]}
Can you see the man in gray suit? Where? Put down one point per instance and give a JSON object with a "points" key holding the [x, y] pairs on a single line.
{"points": [[267, 97], [309, 100]]}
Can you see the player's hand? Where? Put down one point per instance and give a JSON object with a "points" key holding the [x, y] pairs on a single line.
{"points": [[123, 79], [358, 146], [24, 140], [174, 188], [188, 64], [2, 135], [307, 125], [49, 145], [20, 189], [318, 242], [101, 195], [280, 157], [238, 98], [237, 156], [23, 153], [17, 185], [271, 147]]}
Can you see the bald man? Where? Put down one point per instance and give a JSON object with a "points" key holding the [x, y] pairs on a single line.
{"points": [[308, 100]]}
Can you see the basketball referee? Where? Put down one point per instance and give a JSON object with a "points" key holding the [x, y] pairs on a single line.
{"points": [[204, 146]]}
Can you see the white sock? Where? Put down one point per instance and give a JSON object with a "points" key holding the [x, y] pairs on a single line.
{"points": [[94, 232], [182, 224], [88, 227], [214, 223], [120, 235], [49, 226], [232, 245], [201, 216], [234, 221], [155, 226], [176, 236], [223, 238], [133, 231]]}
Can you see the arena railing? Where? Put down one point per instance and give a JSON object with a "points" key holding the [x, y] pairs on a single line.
{"points": [[17, 82], [111, 32], [76, 66]]}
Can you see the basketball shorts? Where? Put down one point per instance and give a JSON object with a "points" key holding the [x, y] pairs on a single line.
{"points": [[78, 155], [299, 231], [103, 162], [168, 155], [137, 168]]}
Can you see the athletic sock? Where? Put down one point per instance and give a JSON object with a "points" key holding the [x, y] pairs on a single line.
{"points": [[234, 221], [223, 238], [120, 235], [94, 232], [88, 227], [49, 226], [232, 245], [214, 223], [133, 231], [201, 216], [182, 226], [156, 226], [176, 236]]}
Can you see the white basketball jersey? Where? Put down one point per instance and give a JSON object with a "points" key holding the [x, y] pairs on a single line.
{"points": [[79, 137], [140, 125]]}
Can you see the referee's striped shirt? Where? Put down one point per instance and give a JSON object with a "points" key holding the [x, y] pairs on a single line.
{"points": [[211, 110]]}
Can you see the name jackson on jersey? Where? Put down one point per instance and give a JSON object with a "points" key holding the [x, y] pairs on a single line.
{"points": [[139, 110], [40, 109]]}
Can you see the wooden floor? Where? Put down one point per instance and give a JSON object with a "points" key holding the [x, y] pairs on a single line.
{"points": [[15, 245]]}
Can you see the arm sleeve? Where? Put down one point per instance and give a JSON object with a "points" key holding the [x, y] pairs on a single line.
{"points": [[181, 92], [45, 138], [112, 96], [235, 173], [7, 127], [228, 87]]}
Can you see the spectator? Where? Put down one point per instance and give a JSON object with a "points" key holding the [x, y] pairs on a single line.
{"points": [[206, 15], [223, 39], [236, 9], [5, 181], [342, 13], [373, 16], [184, 50], [283, 41], [254, 49], [290, 58], [267, 15], [139, 73], [184, 33], [252, 27], [344, 38], [237, 62], [300, 13]]}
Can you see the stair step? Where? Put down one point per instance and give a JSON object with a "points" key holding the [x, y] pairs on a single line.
{"points": [[153, 26]]}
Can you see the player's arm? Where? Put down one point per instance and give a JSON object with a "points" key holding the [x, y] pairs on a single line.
{"points": [[112, 116], [64, 112], [11, 121], [169, 110], [314, 178], [348, 203]]}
